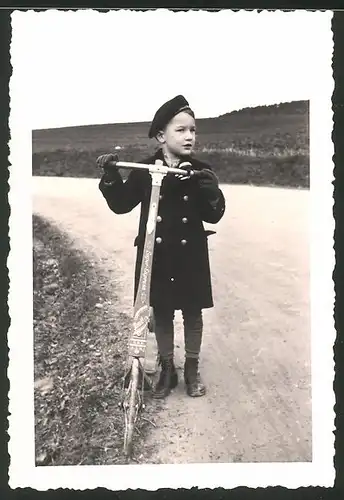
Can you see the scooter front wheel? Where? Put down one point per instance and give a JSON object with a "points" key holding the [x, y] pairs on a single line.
{"points": [[131, 407]]}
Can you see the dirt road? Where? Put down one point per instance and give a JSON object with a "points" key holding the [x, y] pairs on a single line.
{"points": [[256, 348]]}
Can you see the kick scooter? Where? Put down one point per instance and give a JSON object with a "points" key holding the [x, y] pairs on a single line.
{"points": [[136, 379]]}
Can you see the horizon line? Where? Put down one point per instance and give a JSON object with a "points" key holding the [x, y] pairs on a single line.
{"points": [[148, 121]]}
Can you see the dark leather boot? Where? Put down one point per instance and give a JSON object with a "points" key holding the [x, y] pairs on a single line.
{"points": [[194, 385], [168, 379]]}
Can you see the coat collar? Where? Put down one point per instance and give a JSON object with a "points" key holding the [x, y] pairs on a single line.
{"points": [[160, 156]]}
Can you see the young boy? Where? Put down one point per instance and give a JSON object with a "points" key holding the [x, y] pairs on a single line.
{"points": [[180, 273]]}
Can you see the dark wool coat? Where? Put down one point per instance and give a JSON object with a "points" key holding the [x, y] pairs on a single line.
{"points": [[181, 272]]}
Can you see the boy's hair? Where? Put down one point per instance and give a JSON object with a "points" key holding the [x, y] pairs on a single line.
{"points": [[188, 111], [166, 112]]}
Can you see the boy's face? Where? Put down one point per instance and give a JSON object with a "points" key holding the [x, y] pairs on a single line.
{"points": [[179, 135]]}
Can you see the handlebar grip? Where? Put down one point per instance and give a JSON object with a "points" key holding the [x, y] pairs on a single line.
{"points": [[194, 172], [112, 163]]}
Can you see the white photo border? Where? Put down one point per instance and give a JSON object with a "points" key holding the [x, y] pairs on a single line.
{"points": [[320, 472]]}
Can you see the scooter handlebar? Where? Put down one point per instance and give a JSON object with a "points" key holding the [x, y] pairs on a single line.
{"points": [[155, 168]]}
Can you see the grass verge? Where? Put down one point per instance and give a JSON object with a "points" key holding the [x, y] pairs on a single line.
{"points": [[80, 345], [281, 170]]}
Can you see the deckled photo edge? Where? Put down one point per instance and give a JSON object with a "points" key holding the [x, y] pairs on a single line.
{"points": [[23, 473]]}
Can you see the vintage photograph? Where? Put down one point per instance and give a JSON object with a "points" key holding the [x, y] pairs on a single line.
{"points": [[179, 299]]}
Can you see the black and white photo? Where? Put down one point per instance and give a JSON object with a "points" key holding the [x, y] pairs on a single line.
{"points": [[171, 226]]}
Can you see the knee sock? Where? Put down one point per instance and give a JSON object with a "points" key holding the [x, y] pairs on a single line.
{"points": [[164, 332], [193, 329]]}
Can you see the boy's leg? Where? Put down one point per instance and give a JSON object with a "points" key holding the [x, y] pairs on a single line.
{"points": [[164, 332], [193, 330]]}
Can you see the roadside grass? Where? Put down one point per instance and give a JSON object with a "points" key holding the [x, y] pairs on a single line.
{"points": [[80, 345], [247, 167]]}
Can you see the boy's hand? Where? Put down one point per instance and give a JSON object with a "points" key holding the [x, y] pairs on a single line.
{"points": [[208, 180], [103, 162], [208, 184], [184, 166]]}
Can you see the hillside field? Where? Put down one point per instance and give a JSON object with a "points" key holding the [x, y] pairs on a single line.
{"points": [[266, 145]]}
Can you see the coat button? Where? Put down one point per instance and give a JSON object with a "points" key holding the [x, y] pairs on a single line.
{"points": [[184, 220], [172, 279], [159, 218], [185, 198], [183, 242], [160, 197], [158, 239]]}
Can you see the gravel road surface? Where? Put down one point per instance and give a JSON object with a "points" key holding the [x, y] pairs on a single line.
{"points": [[256, 348]]}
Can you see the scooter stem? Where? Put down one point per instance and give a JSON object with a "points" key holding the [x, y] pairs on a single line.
{"points": [[138, 339]]}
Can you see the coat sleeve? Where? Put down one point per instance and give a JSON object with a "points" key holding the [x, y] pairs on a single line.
{"points": [[122, 197], [212, 204], [212, 209]]}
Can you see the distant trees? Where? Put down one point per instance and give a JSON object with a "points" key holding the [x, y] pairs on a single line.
{"points": [[294, 107]]}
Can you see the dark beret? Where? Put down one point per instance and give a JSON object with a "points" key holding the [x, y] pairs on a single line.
{"points": [[166, 112]]}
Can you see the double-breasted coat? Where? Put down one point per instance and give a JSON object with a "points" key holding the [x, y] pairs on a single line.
{"points": [[181, 277]]}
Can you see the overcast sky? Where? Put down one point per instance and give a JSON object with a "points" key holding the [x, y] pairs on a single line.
{"points": [[86, 67]]}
